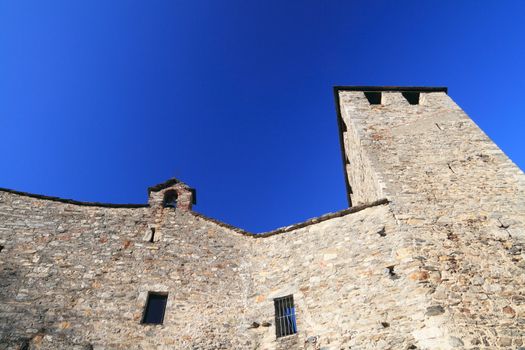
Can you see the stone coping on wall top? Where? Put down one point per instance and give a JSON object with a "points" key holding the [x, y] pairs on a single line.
{"points": [[391, 88], [292, 227], [299, 225], [165, 184], [72, 201]]}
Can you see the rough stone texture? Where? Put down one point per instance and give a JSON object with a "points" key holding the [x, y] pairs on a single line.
{"points": [[459, 203], [431, 256], [78, 276], [365, 186], [338, 273]]}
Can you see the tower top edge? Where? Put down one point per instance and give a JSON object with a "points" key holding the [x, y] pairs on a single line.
{"points": [[444, 89]]}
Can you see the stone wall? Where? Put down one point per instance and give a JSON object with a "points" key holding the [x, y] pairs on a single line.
{"points": [[77, 277], [439, 265], [343, 274], [460, 205], [365, 186]]}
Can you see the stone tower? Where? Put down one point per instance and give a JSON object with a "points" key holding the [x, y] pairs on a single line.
{"points": [[459, 207], [430, 253]]}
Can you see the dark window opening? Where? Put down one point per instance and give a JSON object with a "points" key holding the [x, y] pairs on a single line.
{"points": [[412, 97], [155, 308], [1, 247], [285, 320], [152, 238], [373, 97], [170, 199], [391, 273]]}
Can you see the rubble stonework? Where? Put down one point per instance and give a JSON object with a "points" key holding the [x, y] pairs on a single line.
{"points": [[430, 256]]}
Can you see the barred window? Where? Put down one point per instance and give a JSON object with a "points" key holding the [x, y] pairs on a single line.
{"points": [[155, 308], [285, 319]]}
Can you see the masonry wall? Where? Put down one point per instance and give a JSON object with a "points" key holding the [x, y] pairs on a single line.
{"points": [[440, 265], [460, 206], [365, 185], [77, 277], [338, 272]]}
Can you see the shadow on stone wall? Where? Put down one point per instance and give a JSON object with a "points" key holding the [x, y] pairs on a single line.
{"points": [[25, 323]]}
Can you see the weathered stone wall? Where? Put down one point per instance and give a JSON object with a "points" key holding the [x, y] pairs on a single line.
{"points": [[365, 186], [460, 206], [77, 277], [438, 266], [345, 294]]}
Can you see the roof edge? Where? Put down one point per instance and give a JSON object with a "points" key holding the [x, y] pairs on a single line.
{"points": [[322, 218], [165, 184], [72, 201], [392, 88], [284, 229], [296, 226]]}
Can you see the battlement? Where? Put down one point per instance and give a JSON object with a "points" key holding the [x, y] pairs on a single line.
{"points": [[360, 176]]}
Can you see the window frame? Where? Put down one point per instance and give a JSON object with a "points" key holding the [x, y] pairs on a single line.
{"points": [[285, 316], [148, 305]]}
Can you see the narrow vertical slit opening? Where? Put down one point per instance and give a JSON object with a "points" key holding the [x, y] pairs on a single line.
{"points": [[152, 238]]}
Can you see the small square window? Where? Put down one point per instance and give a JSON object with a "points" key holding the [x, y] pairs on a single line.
{"points": [[285, 320], [155, 308]]}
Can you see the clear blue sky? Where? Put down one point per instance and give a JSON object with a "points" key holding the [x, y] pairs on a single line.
{"points": [[101, 99]]}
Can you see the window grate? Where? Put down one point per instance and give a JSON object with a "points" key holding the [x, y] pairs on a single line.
{"points": [[155, 308], [285, 317]]}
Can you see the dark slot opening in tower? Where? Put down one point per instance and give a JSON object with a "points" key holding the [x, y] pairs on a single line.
{"points": [[152, 239], [155, 308], [412, 97], [285, 320], [373, 97]]}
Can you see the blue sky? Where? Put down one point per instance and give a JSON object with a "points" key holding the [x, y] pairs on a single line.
{"points": [[101, 99]]}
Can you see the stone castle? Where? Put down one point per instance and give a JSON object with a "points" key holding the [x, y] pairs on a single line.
{"points": [[429, 255]]}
